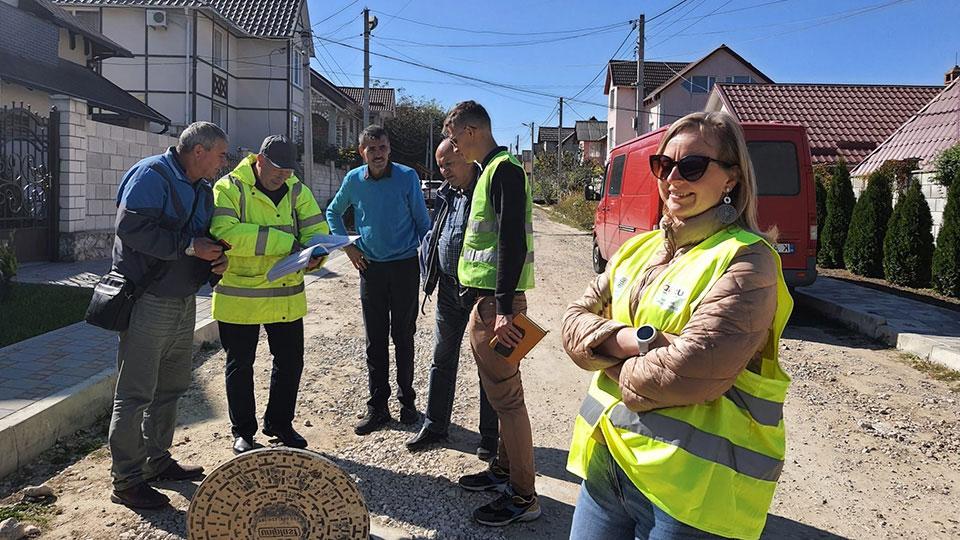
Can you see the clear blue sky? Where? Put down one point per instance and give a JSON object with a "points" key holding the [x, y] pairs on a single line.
{"points": [[558, 47]]}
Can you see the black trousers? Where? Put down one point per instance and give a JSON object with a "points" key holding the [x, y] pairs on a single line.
{"points": [[286, 346], [389, 292]]}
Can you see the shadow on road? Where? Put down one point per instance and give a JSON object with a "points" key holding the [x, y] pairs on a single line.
{"points": [[780, 528], [808, 325]]}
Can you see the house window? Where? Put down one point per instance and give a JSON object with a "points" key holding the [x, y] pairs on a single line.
{"points": [[740, 79], [297, 68], [699, 84], [611, 100], [218, 115], [218, 48]]}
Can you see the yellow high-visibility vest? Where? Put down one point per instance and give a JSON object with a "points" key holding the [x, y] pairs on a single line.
{"points": [[260, 233], [714, 465], [477, 266]]}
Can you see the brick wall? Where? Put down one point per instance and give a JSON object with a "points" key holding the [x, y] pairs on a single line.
{"points": [[111, 151], [325, 182]]}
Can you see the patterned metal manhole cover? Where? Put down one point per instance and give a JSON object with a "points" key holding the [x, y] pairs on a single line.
{"points": [[278, 494]]}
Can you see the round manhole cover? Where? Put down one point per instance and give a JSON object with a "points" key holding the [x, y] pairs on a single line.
{"points": [[278, 494]]}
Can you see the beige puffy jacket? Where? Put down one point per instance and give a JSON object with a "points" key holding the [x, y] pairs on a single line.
{"points": [[723, 336]]}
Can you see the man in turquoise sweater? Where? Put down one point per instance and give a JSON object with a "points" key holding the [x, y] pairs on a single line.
{"points": [[391, 218]]}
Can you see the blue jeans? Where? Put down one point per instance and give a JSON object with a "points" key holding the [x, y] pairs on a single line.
{"points": [[610, 507], [452, 317]]}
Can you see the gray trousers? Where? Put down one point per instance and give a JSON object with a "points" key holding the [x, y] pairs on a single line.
{"points": [[154, 361]]}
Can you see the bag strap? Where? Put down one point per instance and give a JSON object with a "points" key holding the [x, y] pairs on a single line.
{"points": [[141, 285]]}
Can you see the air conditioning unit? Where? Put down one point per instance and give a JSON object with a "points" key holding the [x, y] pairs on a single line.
{"points": [[156, 18]]}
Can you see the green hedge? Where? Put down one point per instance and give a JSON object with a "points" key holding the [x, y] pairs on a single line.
{"points": [[863, 251], [946, 257], [948, 166], [908, 245], [840, 201]]}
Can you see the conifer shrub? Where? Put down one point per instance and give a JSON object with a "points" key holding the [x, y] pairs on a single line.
{"points": [[948, 166], [863, 251], [840, 201], [908, 244], [946, 257], [820, 185]]}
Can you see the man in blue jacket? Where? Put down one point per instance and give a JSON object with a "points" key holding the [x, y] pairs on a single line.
{"points": [[391, 218], [438, 262], [164, 206]]}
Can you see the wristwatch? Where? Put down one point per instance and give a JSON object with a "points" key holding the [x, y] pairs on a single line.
{"points": [[190, 252], [646, 335]]}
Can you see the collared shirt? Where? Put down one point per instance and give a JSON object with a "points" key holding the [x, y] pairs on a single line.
{"points": [[387, 172], [450, 243]]}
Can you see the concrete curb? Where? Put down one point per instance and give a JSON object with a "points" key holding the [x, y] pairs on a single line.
{"points": [[874, 326], [34, 429]]}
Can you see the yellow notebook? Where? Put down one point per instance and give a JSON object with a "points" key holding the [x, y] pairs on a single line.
{"points": [[532, 334]]}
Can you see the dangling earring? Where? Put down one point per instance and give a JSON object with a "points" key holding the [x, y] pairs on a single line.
{"points": [[726, 213]]}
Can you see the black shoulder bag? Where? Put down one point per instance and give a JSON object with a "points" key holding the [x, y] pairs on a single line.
{"points": [[114, 295]]}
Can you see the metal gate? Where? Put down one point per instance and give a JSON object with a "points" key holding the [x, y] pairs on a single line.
{"points": [[29, 201]]}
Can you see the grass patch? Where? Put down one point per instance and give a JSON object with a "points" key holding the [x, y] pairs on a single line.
{"points": [[33, 309], [33, 513], [933, 370], [575, 211]]}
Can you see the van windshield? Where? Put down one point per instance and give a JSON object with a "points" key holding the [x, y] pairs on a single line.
{"points": [[775, 163]]}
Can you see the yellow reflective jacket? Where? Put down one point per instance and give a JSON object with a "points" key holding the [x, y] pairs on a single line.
{"points": [[261, 233]]}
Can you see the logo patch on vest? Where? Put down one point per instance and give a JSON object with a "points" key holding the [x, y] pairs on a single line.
{"points": [[620, 283], [670, 297]]}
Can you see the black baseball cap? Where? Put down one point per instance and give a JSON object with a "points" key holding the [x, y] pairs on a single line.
{"points": [[280, 151]]}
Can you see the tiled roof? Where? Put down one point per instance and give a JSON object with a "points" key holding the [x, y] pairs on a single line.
{"points": [[261, 18], [932, 130], [624, 73], [690, 67], [65, 77], [591, 130], [381, 99], [329, 90], [842, 120], [549, 134]]}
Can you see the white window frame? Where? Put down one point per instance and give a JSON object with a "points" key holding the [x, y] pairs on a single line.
{"points": [[214, 107], [218, 48], [296, 128], [297, 68]]}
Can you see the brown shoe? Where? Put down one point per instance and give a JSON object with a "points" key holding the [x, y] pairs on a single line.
{"points": [[139, 496], [178, 473]]}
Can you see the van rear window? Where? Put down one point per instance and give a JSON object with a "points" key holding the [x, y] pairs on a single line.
{"points": [[775, 163]]}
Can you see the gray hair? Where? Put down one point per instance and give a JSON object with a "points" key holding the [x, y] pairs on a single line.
{"points": [[206, 134], [372, 133]]}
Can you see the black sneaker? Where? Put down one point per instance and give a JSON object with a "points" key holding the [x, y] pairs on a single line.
{"points": [[507, 509], [373, 421], [492, 479]]}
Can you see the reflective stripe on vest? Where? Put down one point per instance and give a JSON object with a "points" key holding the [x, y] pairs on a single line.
{"points": [[477, 266], [275, 292], [243, 198], [712, 465]]}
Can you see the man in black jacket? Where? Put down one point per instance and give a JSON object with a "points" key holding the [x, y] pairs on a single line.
{"points": [[439, 254]]}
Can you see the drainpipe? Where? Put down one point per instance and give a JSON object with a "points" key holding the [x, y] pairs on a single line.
{"points": [[186, 67]]}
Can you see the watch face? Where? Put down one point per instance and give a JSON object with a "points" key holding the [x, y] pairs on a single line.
{"points": [[646, 332]]}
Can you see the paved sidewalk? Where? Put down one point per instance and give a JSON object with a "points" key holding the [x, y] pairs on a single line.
{"points": [[58, 382], [911, 326]]}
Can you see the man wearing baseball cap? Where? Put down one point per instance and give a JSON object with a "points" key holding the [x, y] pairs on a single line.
{"points": [[263, 213]]}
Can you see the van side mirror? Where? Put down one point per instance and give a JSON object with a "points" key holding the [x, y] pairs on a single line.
{"points": [[589, 193]]}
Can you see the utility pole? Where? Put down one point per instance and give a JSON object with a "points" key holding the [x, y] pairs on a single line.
{"points": [[640, 83], [308, 109], [430, 150], [517, 147], [559, 140], [368, 26], [533, 150]]}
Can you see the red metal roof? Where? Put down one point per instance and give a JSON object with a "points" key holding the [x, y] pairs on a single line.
{"points": [[843, 120], [932, 130]]}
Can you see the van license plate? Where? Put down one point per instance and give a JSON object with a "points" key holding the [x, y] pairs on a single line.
{"points": [[784, 248]]}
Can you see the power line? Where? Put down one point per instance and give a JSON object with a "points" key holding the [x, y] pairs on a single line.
{"points": [[335, 13], [604, 68], [411, 43], [503, 33], [694, 22]]}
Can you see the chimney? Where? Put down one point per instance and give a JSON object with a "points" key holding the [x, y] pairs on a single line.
{"points": [[951, 75]]}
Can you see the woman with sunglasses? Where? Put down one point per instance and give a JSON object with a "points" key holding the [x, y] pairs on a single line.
{"points": [[681, 432]]}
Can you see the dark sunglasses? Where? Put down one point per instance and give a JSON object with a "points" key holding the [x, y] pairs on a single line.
{"points": [[691, 167]]}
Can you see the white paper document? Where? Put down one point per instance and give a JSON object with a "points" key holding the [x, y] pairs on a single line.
{"points": [[318, 246]]}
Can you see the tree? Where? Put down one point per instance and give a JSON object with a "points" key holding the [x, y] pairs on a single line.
{"points": [[840, 201], [820, 176], [863, 251], [409, 132], [948, 166], [908, 245], [549, 187], [946, 257]]}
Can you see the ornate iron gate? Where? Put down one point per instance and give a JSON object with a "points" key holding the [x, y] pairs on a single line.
{"points": [[29, 199]]}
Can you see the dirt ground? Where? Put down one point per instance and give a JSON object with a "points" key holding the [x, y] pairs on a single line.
{"points": [[873, 448]]}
